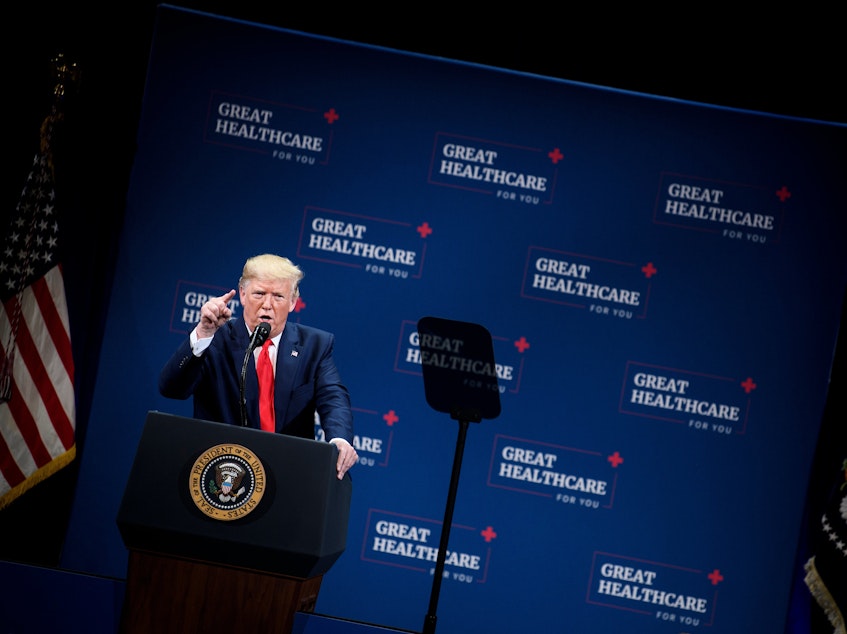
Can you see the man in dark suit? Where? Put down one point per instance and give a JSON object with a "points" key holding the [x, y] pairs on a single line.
{"points": [[209, 363]]}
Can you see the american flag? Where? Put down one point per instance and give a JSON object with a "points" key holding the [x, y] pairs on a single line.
{"points": [[826, 570], [37, 407]]}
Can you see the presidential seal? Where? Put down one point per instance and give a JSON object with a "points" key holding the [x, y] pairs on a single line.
{"points": [[227, 482]]}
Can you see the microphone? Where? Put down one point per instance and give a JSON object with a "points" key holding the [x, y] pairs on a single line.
{"points": [[260, 335]]}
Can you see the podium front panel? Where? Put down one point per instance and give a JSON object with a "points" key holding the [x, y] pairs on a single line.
{"points": [[297, 528]]}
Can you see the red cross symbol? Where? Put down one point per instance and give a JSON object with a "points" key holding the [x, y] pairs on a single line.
{"points": [[615, 459], [390, 418], [299, 305], [783, 194], [522, 344], [556, 155], [715, 577], [488, 534], [649, 270], [424, 229], [331, 116], [748, 385]]}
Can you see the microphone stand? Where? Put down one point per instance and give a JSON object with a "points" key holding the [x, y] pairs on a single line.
{"points": [[260, 334]]}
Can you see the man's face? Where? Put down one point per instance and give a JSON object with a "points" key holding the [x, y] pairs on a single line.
{"points": [[267, 301]]}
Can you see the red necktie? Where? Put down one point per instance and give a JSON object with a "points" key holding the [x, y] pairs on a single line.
{"points": [[266, 388]]}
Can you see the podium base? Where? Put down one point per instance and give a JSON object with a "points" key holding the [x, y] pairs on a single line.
{"points": [[168, 594]]}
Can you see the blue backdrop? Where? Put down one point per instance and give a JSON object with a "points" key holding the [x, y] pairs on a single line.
{"points": [[662, 282]]}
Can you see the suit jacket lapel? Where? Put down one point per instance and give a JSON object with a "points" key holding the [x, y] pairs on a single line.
{"points": [[287, 360]]}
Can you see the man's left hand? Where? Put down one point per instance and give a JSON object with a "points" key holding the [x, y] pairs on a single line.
{"points": [[347, 456]]}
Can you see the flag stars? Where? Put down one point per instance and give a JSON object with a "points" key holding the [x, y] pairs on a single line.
{"points": [[33, 234], [829, 530]]}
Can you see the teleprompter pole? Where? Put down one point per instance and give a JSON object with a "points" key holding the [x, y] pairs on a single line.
{"points": [[464, 417]]}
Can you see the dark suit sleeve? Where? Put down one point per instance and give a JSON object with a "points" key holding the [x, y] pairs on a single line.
{"points": [[333, 399], [181, 373], [213, 378]]}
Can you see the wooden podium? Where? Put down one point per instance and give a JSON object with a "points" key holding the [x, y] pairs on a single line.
{"points": [[227, 528]]}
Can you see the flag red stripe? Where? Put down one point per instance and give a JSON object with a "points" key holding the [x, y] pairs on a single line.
{"points": [[8, 467], [29, 431], [57, 410], [53, 320], [18, 407], [30, 355]]}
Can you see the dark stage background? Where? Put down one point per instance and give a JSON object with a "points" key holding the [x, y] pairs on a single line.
{"points": [[780, 63]]}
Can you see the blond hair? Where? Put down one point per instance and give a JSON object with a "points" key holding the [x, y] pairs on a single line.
{"points": [[273, 268]]}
